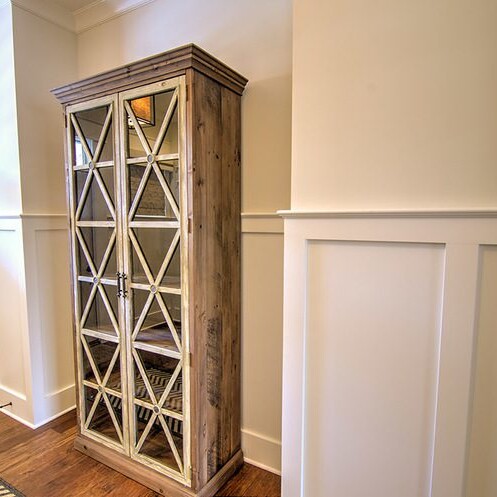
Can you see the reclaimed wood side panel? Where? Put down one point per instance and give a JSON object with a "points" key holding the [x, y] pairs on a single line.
{"points": [[215, 274]]}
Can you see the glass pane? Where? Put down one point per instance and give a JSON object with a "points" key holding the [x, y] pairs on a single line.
{"points": [[153, 202], [97, 242], [159, 370], [102, 353], [98, 318], [91, 123], [101, 420], [156, 445], [154, 244], [94, 206], [150, 112], [155, 329]]}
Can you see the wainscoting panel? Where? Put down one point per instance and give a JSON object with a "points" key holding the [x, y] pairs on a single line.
{"points": [[262, 328], [382, 311], [371, 367], [482, 461], [12, 378], [15, 384], [46, 245]]}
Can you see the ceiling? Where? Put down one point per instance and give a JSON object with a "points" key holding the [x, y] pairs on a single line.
{"points": [[73, 5]]}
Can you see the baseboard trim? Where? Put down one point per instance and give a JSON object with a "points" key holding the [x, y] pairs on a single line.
{"points": [[257, 464], [262, 451], [55, 416], [18, 418]]}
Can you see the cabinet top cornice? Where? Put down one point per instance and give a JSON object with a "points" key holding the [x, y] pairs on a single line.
{"points": [[149, 70]]}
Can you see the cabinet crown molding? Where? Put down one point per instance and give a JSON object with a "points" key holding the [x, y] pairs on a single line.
{"points": [[155, 68]]}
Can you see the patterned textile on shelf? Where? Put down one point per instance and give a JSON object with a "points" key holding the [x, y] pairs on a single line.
{"points": [[174, 402]]}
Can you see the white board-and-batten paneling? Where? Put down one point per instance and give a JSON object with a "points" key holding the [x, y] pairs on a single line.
{"points": [[389, 328], [36, 350]]}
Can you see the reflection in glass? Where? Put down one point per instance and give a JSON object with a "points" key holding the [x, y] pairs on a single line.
{"points": [[91, 123], [101, 421], [151, 122], [156, 445], [98, 318]]}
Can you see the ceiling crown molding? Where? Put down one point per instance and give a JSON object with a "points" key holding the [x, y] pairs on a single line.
{"points": [[48, 11], [102, 11]]}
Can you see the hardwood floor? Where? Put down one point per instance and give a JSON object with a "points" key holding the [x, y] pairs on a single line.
{"points": [[43, 463]]}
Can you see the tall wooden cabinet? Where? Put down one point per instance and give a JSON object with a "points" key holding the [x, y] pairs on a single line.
{"points": [[153, 180]]}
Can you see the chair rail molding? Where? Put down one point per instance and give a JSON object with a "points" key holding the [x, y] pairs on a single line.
{"points": [[381, 318]]}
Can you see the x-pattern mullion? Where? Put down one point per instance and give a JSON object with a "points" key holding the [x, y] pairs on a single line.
{"points": [[105, 193], [145, 432], [143, 315], [148, 151], [89, 355], [98, 274], [165, 123], [169, 437], [93, 409], [108, 307], [81, 136], [93, 160], [167, 260], [170, 384], [141, 256], [167, 190], [146, 148], [144, 375], [139, 191], [84, 194], [169, 320], [113, 416], [156, 283], [103, 135], [138, 128], [102, 384]]}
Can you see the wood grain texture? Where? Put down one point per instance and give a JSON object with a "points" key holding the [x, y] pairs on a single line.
{"points": [[43, 463], [158, 67], [215, 275]]}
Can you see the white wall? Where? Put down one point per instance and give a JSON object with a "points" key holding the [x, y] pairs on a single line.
{"points": [[44, 58], [10, 191], [35, 320], [394, 116], [394, 104], [254, 38]]}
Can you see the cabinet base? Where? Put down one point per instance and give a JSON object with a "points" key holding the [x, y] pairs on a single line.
{"points": [[150, 478]]}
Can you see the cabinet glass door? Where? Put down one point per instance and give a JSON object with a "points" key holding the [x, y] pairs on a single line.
{"points": [[155, 268], [94, 207]]}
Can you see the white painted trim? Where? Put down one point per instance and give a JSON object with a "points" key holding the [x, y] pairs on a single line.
{"points": [[262, 222], [55, 416], [18, 418], [103, 11], [462, 232], [442, 214], [257, 464], [262, 451], [13, 393], [261, 436], [43, 216], [60, 391]]}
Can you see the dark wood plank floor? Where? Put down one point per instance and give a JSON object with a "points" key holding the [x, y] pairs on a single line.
{"points": [[43, 463]]}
